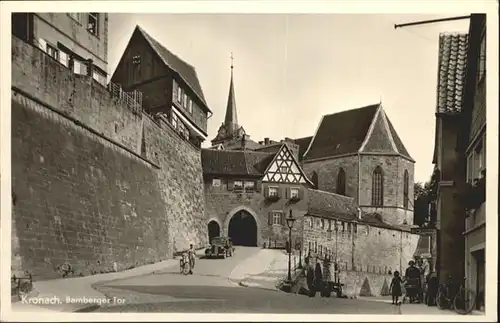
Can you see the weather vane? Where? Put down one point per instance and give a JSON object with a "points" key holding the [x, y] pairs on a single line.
{"points": [[232, 60]]}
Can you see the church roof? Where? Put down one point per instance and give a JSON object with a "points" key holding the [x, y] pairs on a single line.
{"points": [[366, 129], [303, 144], [186, 71], [235, 162], [452, 65]]}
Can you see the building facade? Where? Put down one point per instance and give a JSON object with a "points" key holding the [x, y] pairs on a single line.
{"points": [[473, 144], [79, 41], [368, 162], [448, 159], [170, 87]]}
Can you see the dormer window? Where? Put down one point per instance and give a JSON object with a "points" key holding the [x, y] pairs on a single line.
{"points": [[93, 23]]}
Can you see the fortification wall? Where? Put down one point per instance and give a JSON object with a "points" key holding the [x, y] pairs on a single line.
{"points": [[95, 183], [363, 251]]}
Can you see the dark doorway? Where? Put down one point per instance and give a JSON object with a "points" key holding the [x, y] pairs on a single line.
{"points": [[243, 229], [213, 230], [480, 278]]}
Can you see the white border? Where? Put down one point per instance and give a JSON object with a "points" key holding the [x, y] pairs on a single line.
{"points": [[263, 6]]}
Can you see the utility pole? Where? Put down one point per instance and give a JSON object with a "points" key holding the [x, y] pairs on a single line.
{"points": [[423, 22]]}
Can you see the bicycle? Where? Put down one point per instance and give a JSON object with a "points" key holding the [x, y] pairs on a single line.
{"points": [[446, 297]]}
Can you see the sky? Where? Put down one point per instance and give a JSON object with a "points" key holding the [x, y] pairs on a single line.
{"points": [[290, 70]]}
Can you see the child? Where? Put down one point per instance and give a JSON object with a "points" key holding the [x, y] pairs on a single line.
{"points": [[395, 287]]}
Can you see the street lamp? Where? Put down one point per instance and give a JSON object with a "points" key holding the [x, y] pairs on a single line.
{"points": [[289, 222]]}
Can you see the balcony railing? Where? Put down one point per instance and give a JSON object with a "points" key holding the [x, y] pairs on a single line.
{"points": [[132, 99]]}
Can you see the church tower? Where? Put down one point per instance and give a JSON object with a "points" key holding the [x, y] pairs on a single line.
{"points": [[230, 134]]}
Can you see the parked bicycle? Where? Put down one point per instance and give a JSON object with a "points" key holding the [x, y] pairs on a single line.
{"points": [[185, 264], [462, 299]]}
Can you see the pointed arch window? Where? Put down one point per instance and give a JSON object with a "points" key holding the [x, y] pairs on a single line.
{"points": [[406, 189], [314, 179], [341, 182], [378, 187]]}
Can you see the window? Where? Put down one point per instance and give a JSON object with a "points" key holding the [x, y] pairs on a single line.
{"points": [[481, 65], [294, 193], [99, 77], [355, 228], [93, 23], [53, 52], [216, 182], [190, 107], [179, 94], [284, 169], [249, 185], [273, 191], [276, 216], [310, 223], [378, 187], [136, 59], [79, 67], [238, 185], [476, 161], [322, 223], [64, 58], [175, 121], [78, 16], [329, 224], [185, 101], [348, 228], [405, 189], [341, 182]]}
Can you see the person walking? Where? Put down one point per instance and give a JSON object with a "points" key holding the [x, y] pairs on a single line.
{"points": [[192, 258], [310, 277], [395, 288]]}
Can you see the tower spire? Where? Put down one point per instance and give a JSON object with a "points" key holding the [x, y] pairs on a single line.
{"points": [[231, 120]]}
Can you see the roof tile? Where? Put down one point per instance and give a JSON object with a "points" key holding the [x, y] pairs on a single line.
{"points": [[452, 64]]}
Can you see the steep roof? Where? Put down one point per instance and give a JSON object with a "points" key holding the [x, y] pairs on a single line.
{"points": [[303, 144], [186, 71], [452, 64], [341, 133], [235, 162], [364, 129], [330, 205]]}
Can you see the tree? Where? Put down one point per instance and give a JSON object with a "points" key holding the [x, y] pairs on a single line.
{"points": [[421, 203]]}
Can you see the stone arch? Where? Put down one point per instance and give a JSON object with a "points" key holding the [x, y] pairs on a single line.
{"points": [[237, 211], [214, 228]]}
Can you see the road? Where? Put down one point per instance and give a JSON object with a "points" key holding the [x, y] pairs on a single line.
{"points": [[209, 290]]}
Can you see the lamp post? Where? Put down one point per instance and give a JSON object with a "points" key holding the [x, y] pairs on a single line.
{"points": [[289, 222]]}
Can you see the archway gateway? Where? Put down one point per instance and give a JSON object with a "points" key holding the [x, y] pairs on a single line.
{"points": [[243, 229], [213, 230]]}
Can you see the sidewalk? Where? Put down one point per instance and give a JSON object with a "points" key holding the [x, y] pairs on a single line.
{"points": [[268, 278], [414, 309], [77, 294]]}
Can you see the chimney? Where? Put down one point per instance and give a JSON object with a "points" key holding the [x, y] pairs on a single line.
{"points": [[261, 142], [266, 141]]}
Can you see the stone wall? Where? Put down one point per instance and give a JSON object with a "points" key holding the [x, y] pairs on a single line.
{"points": [[87, 168], [363, 248], [393, 167], [328, 169]]}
